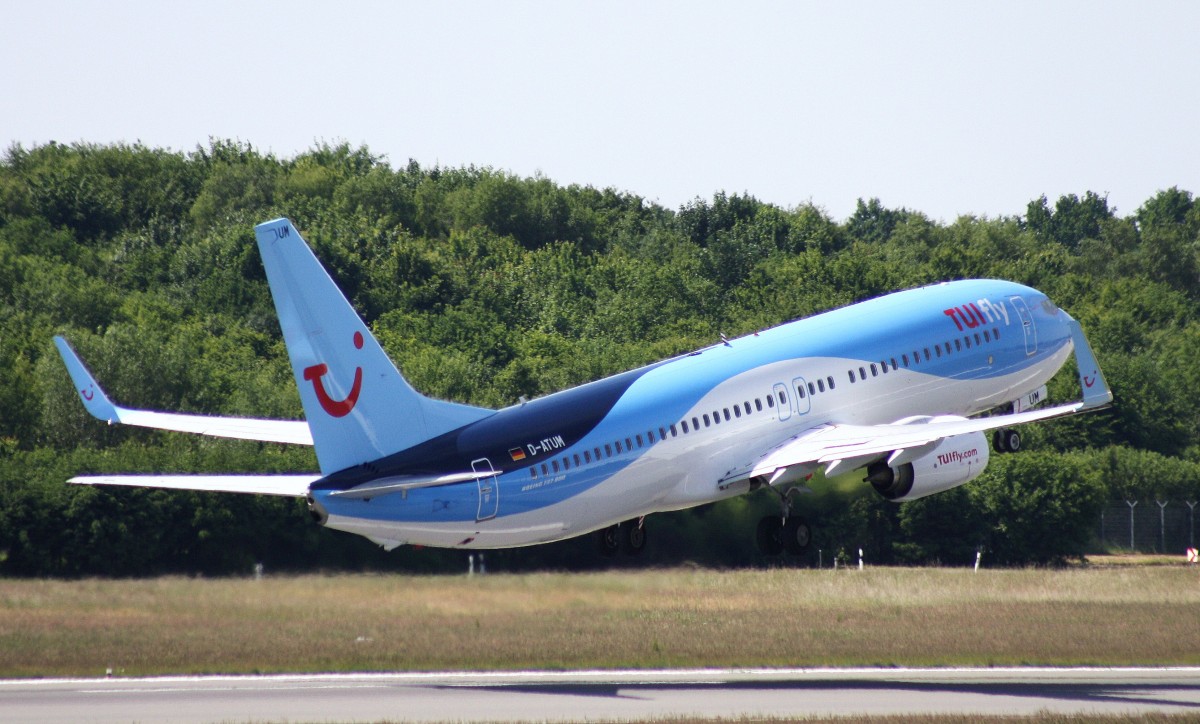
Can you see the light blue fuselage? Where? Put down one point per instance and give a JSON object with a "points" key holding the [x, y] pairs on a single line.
{"points": [[596, 455]]}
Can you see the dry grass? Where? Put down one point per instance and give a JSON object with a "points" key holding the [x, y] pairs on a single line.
{"points": [[1142, 615]]}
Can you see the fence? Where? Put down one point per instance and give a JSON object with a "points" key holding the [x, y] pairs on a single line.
{"points": [[1149, 526]]}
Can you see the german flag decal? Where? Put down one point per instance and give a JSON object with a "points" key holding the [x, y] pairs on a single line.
{"points": [[517, 454]]}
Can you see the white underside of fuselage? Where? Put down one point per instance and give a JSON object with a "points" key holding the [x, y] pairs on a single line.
{"points": [[683, 471]]}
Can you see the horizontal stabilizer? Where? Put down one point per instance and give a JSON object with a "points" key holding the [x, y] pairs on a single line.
{"points": [[294, 486], [401, 483], [240, 428]]}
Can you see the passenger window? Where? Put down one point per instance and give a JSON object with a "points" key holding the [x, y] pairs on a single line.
{"points": [[628, 444], [883, 366], [995, 334], [862, 373], [820, 385], [674, 432], [566, 463], [706, 420], [957, 345], [737, 411], [617, 445], [650, 436], [545, 469], [695, 423], [977, 339], [771, 401], [533, 473], [639, 440], [716, 417], [967, 340], [782, 397], [894, 365], [874, 370], [851, 373], [758, 404], [554, 464], [948, 350], [747, 406], [927, 355], [904, 358], [830, 380], [986, 337], [608, 449], [587, 456], [938, 348]]}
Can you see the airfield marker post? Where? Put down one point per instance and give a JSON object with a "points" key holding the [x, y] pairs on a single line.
{"points": [[1191, 504], [1131, 505], [1162, 523]]}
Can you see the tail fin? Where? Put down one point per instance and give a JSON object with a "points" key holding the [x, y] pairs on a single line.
{"points": [[358, 405]]}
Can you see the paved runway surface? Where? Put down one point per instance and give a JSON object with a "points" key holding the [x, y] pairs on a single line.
{"points": [[575, 696]]}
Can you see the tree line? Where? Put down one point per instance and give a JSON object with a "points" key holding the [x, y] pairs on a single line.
{"points": [[485, 287]]}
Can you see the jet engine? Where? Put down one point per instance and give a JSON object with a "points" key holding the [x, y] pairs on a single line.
{"points": [[951, 462]]}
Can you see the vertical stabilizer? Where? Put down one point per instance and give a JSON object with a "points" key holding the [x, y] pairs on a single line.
{"points": [[358, 405]]}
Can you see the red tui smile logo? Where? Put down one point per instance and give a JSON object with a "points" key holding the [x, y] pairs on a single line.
{"points": [[336, 408]]}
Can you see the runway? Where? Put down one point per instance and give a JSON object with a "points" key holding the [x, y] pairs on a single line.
{"points": [[601, 695]]}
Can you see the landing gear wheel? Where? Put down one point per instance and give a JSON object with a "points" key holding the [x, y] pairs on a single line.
{"points": [[770, 535], [609, 540], [634, 540], [1006, 440], [796, 535]]}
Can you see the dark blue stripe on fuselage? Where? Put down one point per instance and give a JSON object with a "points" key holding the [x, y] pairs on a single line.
{"points": [[569, 415]]}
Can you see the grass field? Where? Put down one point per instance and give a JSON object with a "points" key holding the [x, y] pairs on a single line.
{"points": [[1097, 615]]}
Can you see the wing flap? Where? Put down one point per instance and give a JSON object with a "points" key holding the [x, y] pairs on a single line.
{"points": [[294, 486]]}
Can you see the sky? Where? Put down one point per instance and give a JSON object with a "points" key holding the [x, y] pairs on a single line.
{"points": [[946, 108]]}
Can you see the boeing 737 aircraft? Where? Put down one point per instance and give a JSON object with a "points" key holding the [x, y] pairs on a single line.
{"points": [[892, 386]]}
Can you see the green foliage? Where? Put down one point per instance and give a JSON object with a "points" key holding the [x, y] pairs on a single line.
{"points": [[485, 287]]}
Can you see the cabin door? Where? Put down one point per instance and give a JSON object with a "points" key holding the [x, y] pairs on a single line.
{"points": [[1026, 325], [489, 489]]}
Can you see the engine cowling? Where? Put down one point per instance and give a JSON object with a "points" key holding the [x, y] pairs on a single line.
{"points": [[954, 461]]}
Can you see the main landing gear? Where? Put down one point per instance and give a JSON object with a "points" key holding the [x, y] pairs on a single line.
{"points": [[784, 532], [629, 537], [1006, 440]]}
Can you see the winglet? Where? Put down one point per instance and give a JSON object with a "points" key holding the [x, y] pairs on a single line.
{"points": [[1096, 392], [94, 399]]}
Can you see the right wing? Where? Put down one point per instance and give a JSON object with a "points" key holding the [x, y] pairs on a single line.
{"points": [[240, 428]]}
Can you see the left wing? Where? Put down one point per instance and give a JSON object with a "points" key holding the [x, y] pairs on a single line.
{"points": [[846, 447], [240, 428], [284, 485]]}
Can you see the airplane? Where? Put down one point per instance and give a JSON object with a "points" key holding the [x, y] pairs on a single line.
{"points": [[903, 387]]}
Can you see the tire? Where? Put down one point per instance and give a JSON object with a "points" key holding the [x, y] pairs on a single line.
{"points": [[634, 539], [1006, 440], [770, 535], [1012, 440], [609, 541], [797, 535]]}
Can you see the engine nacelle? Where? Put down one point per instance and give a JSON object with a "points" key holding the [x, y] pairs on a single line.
{"points": [[954, 461]]}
